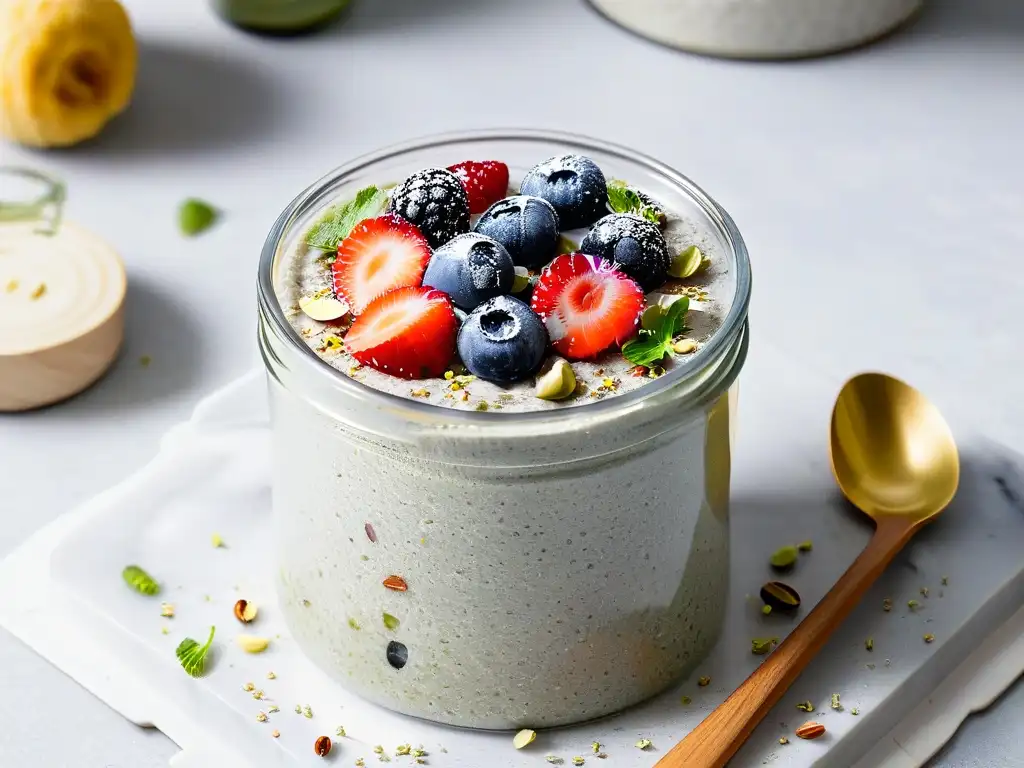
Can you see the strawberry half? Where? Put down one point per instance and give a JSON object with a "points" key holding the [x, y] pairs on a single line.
{"points": [[408, 332], [485, 182], [586, 304], [378, 255]]}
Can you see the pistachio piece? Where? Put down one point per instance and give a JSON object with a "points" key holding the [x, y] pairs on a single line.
{"points": [[524, 738], [759, 646], [684, 346], [521, 281], [686, 263], [784, 557], [323, 308], [779, 596], [245, 611], [252, 644], [558, 382]]}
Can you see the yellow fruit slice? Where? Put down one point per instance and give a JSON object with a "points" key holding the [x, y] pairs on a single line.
{"points": [[66, 68]]}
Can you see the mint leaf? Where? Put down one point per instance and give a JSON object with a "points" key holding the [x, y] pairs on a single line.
{"points": [[192, 655], [653, 344], [645, 350], [335, 225], [195, 216], [623, 199]]}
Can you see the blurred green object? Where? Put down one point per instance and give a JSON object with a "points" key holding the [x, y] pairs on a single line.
{"points": [[279, 17]]}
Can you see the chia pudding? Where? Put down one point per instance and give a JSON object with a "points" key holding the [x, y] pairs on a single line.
{"points": [[501, 372]]}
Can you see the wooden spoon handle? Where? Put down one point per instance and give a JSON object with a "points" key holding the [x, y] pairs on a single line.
{"points": [[722, 733]]}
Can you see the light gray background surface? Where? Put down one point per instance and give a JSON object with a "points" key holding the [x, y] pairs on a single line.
{"points": [[880, 194]]}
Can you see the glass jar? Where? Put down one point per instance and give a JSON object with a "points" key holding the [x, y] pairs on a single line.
{"points": [[282, 17], [551, 567]]}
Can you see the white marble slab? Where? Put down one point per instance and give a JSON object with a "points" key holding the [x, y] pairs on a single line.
{"points": [[211, 476]]}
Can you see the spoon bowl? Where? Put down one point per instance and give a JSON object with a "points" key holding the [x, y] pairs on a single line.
{"points": [[892, 452], [894, 457]]}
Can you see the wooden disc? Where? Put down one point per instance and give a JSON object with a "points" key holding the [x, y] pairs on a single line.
{"points": [[61, 313]]}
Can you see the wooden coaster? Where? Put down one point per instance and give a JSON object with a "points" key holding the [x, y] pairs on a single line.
{"points": [[61, 313]]}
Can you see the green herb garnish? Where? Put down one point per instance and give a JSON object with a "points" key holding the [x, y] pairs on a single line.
{"points": [[626, 200], [336, 224], [655, 342], [195, 216], [192, 655], [139, 580]]}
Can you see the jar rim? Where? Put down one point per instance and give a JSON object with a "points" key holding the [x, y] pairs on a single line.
{"points": [[714, 349]]}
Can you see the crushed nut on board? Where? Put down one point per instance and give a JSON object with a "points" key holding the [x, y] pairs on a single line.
{"points": [[643, 744], [703, 682]]}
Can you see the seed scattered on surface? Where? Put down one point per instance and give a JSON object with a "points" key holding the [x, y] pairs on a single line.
{"points": [[703, 682], [887, 604], [805, 706], [686, 701], [912, 604], [766, 610], [578, 760], [759, 646], [370, 533], [684, 346], [524, 738], [595, 747], [870, 644], [805, 546], [783, 740], [929, 638], [340, 731], [274, 708], [810, 730], [249, 687], [378, 750], [784, 557], [780, 596], [257, 695], [402, 750], [261, 716], [924, 591], [245, 611], [322, 746], [397, 654], [643, 744], [252, 644], [271, 676], [396, 583], [167, 610], [391, 622], [216, 540], [854, 711], [276, 734], [360, 763], [298, 709], [835, 702]]}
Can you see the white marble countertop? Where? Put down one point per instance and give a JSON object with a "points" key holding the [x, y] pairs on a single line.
{"points": [[879, 192]]}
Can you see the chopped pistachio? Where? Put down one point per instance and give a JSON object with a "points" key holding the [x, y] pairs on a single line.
{"points": [[391, 622], [271, 676], [602, 755], [298, 709], [595, 747], [854, 711], [360, 763], [805, 546], [704, 681], [164, 631], [332, 342], [38, 292], [261, 716], [306, 603], [945, 581], [887, 604], [783, 740], [419, 752], [307, 712], [557, 383], [805, 706], [578, 760], [449, 375], [686, 701], [643, 744], [274, 708], [167, 610], [258, 695], [835, 702], [686, 263], [766, 610], [784, 557], [524, 738], [554, 759], [249, 687], [420, 393], [12, 286], [340, 731], [216, 540], [403, 749], [929, 638], [870, 644], [378, 750], [145, 360], [924, 591], [912, 604], [759, 646]]}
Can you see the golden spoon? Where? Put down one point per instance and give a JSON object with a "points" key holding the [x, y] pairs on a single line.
{"points": [[894, 458]]}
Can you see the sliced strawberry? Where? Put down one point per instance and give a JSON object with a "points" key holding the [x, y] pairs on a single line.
{"points": [[485, 182], [378, 255], [586, 304], [407, 332]]}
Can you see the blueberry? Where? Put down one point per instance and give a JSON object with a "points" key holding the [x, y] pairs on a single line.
{"points": [[574, 185], [503, 341], [634, 244], [471, 269], [435, 201], [526, 226]]}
